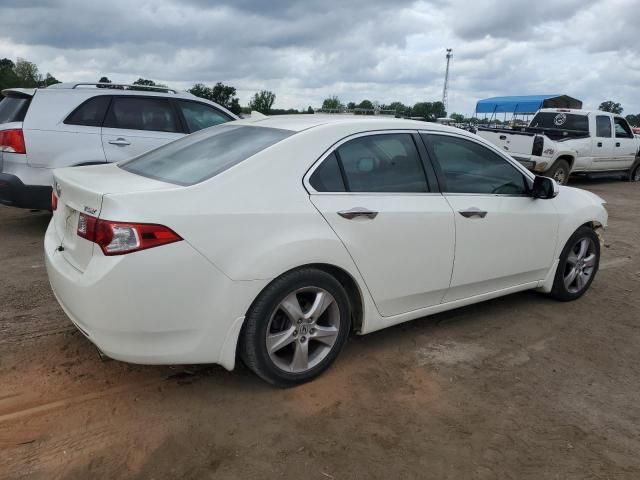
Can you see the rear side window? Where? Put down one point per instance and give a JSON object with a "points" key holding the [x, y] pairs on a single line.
{"points": [[382, 163], [90, 113], [137, 113], [14, 109], [327, 177], [197, 157], [603, 126], [199, 116]]}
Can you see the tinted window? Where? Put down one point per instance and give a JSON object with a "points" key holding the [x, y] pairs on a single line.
{"points": [[561, 120], [468, 167], [603, 126], [327, 177], [197, 157], [622, 128], [382, 163], [13, 109], [135, 113], [90, 113], [199, 115]]}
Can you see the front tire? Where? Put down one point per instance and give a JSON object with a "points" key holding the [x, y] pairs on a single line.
{"points": [[634, 172], [296, 327], [560, 172], [578, 265]]}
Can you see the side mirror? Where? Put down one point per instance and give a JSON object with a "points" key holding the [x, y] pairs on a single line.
{"points": [[544, 187]]}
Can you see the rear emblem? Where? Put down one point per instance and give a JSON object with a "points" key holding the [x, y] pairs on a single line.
{"points": [[90, 211]]}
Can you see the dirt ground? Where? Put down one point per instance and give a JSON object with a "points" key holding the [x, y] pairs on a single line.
{"points": [[516, 388]]}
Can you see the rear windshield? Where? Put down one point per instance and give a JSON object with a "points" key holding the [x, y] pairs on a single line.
{"points": [[561, 120], [205, 154], [13, 109]]}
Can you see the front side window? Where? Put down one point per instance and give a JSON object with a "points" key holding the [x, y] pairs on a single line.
{"points": [[382, 163], [203, 155], [623, 130], [90, 113], [138, 113], [199, 116], [468, 167], [603, 126]]}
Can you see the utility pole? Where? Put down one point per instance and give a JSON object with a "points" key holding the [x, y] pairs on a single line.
{"points": [[445, 89]]}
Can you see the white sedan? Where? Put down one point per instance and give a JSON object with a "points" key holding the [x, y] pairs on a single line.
{"points": [[271, 240]]}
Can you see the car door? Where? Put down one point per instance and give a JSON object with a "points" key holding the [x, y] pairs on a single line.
{"points": [[504, 237], [602, 144], [136, 124], [625, 144], [379, 197]]}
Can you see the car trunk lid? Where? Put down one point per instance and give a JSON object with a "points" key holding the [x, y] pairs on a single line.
{"points": [[80, 190]]}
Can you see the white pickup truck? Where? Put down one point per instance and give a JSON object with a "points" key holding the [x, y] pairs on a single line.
{"points": [[559, 142]]}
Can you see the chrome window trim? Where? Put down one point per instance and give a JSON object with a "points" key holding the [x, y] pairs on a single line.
{"points": [[338, 144]]}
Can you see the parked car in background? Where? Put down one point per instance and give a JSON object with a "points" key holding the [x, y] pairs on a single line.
{"points": [[83, 124], [274, 238], [559, 142]]}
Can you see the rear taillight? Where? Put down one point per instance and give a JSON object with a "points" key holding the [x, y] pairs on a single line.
{"points": [[118, 238], [12, 141], [54, 201]]}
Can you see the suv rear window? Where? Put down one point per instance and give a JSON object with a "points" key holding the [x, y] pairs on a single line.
{"points": [[561, 121], [13, 109], [90, 113], [203, 155]]}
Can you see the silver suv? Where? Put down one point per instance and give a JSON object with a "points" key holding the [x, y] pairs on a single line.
{"points": [[84, 124]]}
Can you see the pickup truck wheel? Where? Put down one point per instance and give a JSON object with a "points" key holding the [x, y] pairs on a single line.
{"points": [[560, 172], [634, 173], [578, 265]]}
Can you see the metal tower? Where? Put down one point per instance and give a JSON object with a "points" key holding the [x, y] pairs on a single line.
{"points": [[445, 89]]}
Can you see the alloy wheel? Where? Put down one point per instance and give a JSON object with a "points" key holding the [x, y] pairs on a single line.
{"points": [[560, 176], [580, 265], [303, 329]]}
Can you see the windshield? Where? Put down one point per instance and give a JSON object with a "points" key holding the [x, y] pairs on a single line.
{"points": [[561, 120], [205, 154], [13, 109]]}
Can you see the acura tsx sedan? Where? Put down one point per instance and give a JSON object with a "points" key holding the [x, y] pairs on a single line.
{"points": [[272, 240]]}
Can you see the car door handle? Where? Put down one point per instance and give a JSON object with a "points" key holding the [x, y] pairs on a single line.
{"points": [[599, 144], [472, 212], [617, 144], [358, 212], [121, 142]]}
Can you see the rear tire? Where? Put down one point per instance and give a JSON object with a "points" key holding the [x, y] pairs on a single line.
{"points": [[634, 172], [560, 172], [296, 327], [578, 265]]}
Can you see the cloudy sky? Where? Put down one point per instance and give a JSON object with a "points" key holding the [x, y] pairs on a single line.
{"points": [[307, 50]]}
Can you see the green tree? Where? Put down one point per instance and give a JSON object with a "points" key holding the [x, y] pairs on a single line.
{"points": [[351, 105], [147, 83], [611, 106], [310, 110], [221, 94], [366, 104], [8, 77], [634, 120], [332, 103], [399, 107], [262, 101], [27, 73], [457, 117], [49, 80]]}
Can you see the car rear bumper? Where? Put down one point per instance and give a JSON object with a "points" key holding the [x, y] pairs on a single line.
{"points": [[14, 193], [165, 305]]}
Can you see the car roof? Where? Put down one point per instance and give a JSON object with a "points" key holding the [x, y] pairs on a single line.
{"points": [[297, 123]]}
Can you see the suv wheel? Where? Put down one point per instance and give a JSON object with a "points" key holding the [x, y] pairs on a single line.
{"points": [[634, 173], [296, 327], [578, 265]]}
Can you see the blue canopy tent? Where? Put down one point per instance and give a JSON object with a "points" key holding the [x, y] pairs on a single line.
{"points": [[525, 104]]}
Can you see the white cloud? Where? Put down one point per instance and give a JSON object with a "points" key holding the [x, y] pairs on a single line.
{"points": [[306, 51]]}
